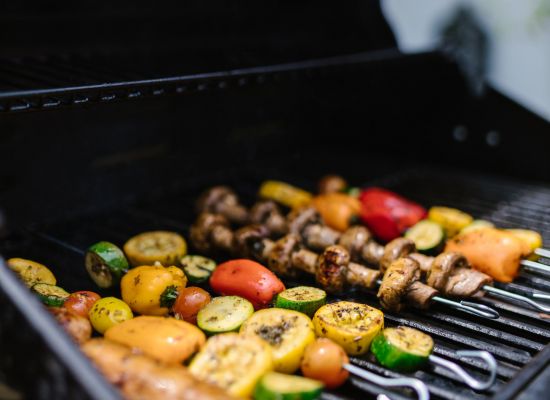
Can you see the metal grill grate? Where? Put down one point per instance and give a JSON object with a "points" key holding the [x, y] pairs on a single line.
{"points": [[514, 339]]}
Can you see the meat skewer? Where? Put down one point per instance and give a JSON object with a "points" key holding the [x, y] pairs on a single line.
{"points": [[332, 269]]}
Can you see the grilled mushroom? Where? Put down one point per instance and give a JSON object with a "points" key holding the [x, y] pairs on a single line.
{"points": [[331, 184], [211, 232], [267, 213], [372, 252], [307, 223], [300, 218], [399, 276], [424, 261], [354, 240], [331, 269], [247, 241], [394, 250], [279, 259], [223, 200]]}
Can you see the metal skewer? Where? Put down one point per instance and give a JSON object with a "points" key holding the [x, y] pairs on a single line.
{"points": [[416, 384], [519, 297], [536, 266], [542, 252]]}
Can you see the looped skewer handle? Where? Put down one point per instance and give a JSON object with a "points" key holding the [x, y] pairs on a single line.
{"points": [[515, 296], [480, 310], [467, 378], [416, 384]]}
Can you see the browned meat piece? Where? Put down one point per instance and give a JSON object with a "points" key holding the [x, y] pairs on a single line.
{"points": [[332, 184], [425, 262], [267, 213], [78, 328], [211, 232], [305, 260], [139, 377], [354, 239], [359, 275], [318, 237], [399, 276], [394, 250], [331, 269], [222, 200], [372, 252], [279, 259], [420, 295], [247, 241]]}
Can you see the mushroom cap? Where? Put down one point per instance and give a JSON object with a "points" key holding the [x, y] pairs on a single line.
{"points": [[209, 199], [262, 210], [246, 240], [399, 275], [279, 259], [443, 267], [331, 268], [354, 239], [394, 250], [201, 230], [300, 218]]}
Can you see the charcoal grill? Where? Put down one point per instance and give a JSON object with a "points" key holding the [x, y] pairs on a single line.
{"points": [[103, 146]]}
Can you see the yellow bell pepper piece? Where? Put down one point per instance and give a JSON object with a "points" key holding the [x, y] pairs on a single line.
{"points": [[450, 219], [531, 238], [149, 289], [285, 194], [31, 272]]}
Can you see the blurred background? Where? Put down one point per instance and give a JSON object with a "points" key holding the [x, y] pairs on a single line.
{"points": [[517, 35]]}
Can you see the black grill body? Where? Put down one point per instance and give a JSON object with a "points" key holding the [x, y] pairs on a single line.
{"points": [[123, 144]]}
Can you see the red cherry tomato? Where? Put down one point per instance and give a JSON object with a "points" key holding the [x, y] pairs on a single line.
{"points": [[189, 302], [323, 360], [81, 302], [247, 279]]}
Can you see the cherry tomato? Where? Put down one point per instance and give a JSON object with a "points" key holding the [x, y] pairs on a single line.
{"points": [[108, 312], [81, 302], [189, 302], [323, 360], [247, 279]]}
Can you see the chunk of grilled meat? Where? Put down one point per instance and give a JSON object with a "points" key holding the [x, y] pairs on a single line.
{"points": [[139, 377], [399, 276], [77, 327]]}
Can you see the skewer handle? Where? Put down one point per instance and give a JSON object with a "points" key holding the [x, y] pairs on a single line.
{"points": [[536, 266]]}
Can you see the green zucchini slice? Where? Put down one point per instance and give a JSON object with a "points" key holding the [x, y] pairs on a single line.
{"points": [[276, 386], [50, 295], [305, 299], [402, 348], [428, 236], [224, 314], [197, 268], [106, 264]]}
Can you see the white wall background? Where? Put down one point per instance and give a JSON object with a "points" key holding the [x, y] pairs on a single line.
{"points": [[519, 31]]}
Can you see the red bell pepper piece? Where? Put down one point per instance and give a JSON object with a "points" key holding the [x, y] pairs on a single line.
{"points": [[387, 214]]}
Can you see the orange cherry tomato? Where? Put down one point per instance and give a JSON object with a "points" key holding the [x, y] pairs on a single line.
{"points": [[189, 302], [247, 279], [81, 302], [323, 360]]}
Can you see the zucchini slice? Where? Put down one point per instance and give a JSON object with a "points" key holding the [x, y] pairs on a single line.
{"points": [[276, 386], [50, 295], [147, 248], [305, 299], [197, 268], [224, 314], [105, 264], [233, 362], [402, 348], [351, 325], [288, 333], [31, 272], [428, 236]]}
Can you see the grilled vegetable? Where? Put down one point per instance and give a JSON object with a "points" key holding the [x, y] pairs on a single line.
{"points": [[332, 184], [531, 238], [77, 327], [197, 268], [305, 299], [287, 332], [248, 279], [166, 339], [477, 224], [139, 376], [105, 264], [324, 360], [224, 314], [337, 209], [387, 214], [189, 302], [284, 194], [233, 362], [149, 247], [494, 252], [81, 302], [151, 290], [428, 236], [276, 386], [402, 348], [351, 325], [31, 272], [108, 312], [451, 219], [50, 295]]}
